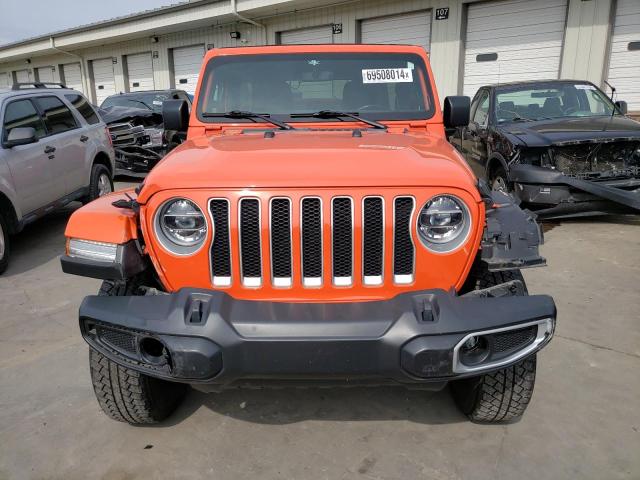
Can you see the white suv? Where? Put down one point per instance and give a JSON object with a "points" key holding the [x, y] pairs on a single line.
{"points": [[54, 149]]}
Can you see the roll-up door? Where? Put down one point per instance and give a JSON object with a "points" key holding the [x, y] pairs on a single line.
{"points": [[46, 74], [73, 76], [409, 29], [4, 80], [23, 76], [103, 79], [186, 67], [513, 40], [304, 36], [624, 62], [140, 72]]}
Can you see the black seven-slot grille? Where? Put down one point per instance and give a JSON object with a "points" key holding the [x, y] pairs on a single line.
{"points": [[312, 250]]}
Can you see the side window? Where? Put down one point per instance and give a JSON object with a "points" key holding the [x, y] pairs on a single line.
{"points": [[482, 110], [57, 117], [22, 113], [85, 109]]}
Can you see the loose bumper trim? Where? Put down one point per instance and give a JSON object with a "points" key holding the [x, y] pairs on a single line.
{"points": [[208, 337]]}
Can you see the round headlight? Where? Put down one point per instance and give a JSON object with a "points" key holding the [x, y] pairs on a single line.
{"points": [[181, 226], [444, 223]]}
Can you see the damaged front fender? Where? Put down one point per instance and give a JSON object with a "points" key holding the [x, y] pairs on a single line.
{"points": [[511, 237]]}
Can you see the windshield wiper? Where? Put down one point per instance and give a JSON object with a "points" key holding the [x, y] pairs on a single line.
{"points": [[338, 114], [251, 115]]}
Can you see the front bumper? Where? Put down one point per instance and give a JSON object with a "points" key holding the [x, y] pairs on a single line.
{"points": [[552, 193], [207, 337]]}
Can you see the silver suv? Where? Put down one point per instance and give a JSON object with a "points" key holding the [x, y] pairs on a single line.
{"points": [[54, 149]]}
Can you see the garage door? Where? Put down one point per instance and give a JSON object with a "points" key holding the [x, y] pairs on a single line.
{"points": [[304, 36], [103, 79], [409, 28], [4, 80], [624, 62], [513, 40], [23, 76], [186, 67], [140, 72], [45, 74], [73, 76]]}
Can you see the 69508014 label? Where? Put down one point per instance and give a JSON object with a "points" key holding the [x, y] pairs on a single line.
{"points": [[387, 75]]}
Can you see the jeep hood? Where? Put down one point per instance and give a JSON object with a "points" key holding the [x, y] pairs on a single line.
{"points": [[565, 131], [310, 159]]}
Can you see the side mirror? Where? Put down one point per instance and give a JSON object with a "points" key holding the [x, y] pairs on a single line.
{"points": [[456, 111], [20, 136], [621, 105], [175, 115]]}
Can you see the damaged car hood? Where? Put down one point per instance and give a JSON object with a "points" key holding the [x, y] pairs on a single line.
{"points": [[567, 131], [124, 114]]}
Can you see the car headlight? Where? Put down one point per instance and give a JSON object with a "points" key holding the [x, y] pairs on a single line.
{"points": [[181, 226], [444, 223]]}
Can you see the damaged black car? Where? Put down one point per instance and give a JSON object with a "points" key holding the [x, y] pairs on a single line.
{"points": [[561, 147], [137, 131]]}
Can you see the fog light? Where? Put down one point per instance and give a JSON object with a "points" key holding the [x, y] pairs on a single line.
{"points": [[97, 251], [474, 351], [470, 344]]}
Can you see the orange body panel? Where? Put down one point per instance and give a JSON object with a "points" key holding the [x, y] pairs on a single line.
{"points": [[100, 221], [228, 160]]}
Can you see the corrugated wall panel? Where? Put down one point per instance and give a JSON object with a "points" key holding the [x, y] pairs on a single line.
{"points": [[624, 60]]}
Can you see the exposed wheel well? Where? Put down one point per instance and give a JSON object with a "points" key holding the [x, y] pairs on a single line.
{"points": [[103, 159], [492, 166], [6, 207]]}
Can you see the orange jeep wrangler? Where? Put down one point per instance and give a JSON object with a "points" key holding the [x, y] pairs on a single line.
{"points": [[315, 228]]}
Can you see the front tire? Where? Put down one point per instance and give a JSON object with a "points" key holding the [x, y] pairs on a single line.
{"points": [[125, 394], [501, 396], [5, 246], [500, 180], [133, 397], [101, 182]]}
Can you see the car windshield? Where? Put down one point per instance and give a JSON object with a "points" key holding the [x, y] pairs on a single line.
{"points": [[152, 101], [550, 100], [377, 86]]}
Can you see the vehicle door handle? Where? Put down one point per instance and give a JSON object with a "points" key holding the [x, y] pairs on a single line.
{"points": [[84, 138], [49, 149]]}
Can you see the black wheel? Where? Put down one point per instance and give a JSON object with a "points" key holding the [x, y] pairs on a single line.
{"points": [[126, 395], [501, 396], [101, 182], [5, 246], [499, 180]]}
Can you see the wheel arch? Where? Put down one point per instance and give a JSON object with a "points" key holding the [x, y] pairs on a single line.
{"points": [[10, 214], [495, 160], [102, 158]]}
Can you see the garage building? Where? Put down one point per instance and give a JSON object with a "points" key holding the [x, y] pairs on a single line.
{"points": [[471, 42]]}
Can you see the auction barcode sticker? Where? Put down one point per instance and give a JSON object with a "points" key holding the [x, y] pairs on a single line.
{"points": [[386, 75]]}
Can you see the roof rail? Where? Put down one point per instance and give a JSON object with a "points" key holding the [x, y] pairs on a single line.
{"points": [[28, 85]]}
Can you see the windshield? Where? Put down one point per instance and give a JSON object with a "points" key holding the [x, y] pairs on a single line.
{"points": [[152, 101], [551, 100], [383, 86]]}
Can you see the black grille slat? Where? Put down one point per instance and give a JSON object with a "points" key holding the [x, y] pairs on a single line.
{"points": [[220, 247], [372, 237], [342, 237], [403, 251], [281, 237], [250, 251], [311, 226]]}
